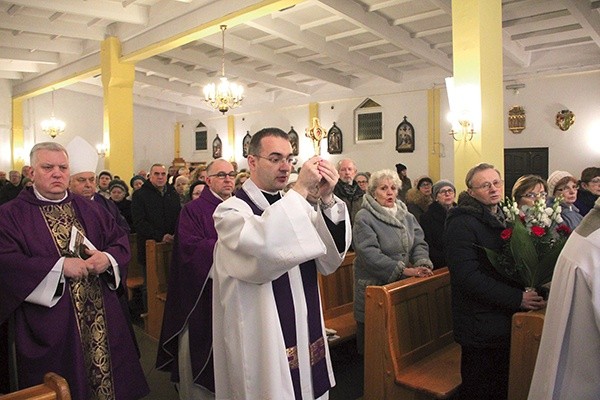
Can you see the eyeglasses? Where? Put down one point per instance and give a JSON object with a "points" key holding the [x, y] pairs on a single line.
{"points": [[223, 175], [566, 188], [278, 160], [488, 185], [425, 184], [446, 191], [359, 182], [594, 181], [532, 195]]}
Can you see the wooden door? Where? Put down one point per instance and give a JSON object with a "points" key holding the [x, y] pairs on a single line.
{"points": [[523, 161]]}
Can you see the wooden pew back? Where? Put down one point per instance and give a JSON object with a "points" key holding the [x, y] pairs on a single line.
{"points": [[135, 278], [55, 387], [158, 260], [337, 300], [409, 347], [524, 345]]}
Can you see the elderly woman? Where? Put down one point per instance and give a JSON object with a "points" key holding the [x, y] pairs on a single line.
{"points": [[589, 190], [419, 197], [528, 189], [433, 220], [388, 241], [562, 183]]}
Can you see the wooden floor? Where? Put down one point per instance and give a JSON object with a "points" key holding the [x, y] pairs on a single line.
{"points": [[347, 366]]}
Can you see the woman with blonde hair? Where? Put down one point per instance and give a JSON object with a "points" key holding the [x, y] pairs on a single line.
{"points": [[388, 241]]}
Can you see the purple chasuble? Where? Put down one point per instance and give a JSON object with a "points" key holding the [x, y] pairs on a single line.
{"points": [[50, 339], [285, 309], [190, 292]]}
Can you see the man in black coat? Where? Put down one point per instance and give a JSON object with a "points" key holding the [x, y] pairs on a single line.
{"points": [[482, 301], [12, 188], [154, 208]]}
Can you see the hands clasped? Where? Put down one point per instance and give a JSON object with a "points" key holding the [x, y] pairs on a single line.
{"points": [[320, 174], [78, 268]]}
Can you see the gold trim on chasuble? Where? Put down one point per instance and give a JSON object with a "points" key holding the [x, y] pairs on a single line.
{"points": [[316, 349], [88, 305]]}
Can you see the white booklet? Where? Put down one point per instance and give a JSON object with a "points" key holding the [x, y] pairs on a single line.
{"points": [[79, 243]]}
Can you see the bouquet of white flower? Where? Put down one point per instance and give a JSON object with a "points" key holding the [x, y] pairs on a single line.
{"points": [[533, 239]]}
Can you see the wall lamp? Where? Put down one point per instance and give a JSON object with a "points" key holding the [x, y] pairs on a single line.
{"points": [[461, 117], [101, 149]]}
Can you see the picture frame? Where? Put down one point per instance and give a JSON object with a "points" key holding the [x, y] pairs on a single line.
{"points": [[217, 147], [405, 137], [335, 140], [294, 141], [246, 144]]}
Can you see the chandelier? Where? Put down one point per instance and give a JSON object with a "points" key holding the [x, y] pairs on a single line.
{"points": [[53, 127], [224, 95]]}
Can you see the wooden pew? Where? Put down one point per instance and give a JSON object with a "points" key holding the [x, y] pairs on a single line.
{"points": [[410, 352], [55, 387], [158, 259], [524, 345], [337, 299], [135, 278]]}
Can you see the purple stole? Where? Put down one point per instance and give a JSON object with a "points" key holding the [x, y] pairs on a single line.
{"points": [[285, 309]]}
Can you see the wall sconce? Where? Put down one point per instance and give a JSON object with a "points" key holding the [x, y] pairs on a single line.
{"points": [[101, 149], [463, 121]]}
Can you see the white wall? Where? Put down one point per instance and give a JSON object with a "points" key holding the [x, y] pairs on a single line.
{"points": [[542, 98], [574, 149], [83, 115]]}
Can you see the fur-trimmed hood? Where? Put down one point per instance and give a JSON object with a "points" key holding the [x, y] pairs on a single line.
{"points": [[415, 196]]}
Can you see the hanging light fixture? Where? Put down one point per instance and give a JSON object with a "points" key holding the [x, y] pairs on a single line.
{"points": [[224, 95], [53, 127]]}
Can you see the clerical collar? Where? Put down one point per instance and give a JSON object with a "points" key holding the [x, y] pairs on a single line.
{"points": [[271, 197], [40, 197]]}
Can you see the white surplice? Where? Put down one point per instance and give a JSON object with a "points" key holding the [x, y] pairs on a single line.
{"points": [[568, 363], [252, 251]]}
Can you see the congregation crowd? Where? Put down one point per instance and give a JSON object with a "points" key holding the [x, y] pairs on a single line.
{"points": [[242, 317]]}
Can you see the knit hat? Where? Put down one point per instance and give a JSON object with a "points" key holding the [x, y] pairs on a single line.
{"points": [[555, 177], [83, 157], [441, 184], [137, 178], [118, 183], [419, 181], [107, 173], [400, 168]]}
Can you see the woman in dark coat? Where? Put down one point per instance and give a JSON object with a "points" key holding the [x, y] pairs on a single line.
{"points": [[432, 221]]}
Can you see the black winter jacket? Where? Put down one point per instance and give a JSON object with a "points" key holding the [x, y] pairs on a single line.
{"points": [[154, 215], [433, 221], [483, 302]]}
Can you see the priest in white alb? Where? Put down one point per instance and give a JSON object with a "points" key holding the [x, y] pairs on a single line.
{"points": [[568, 363], [269, 341]]}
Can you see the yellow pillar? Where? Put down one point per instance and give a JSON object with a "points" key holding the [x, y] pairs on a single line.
{"points": [[477, 58], [231, 136], [117, 81], [313, 112], [18, 137], [433, 137]]}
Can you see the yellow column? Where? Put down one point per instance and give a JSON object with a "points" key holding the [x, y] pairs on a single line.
{"points": [[313, 112], [231, 136], [18, 137], [433, 137], [117, 81], [477, 55]]}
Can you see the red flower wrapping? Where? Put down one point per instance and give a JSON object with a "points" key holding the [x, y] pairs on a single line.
{"points": [[563, 230], [538, 231], [506, 234]]}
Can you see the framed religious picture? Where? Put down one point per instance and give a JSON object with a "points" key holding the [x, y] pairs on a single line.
{"points": [[294, 141], [334, 140], [405, 137], [246, 144], [217, 147]]}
